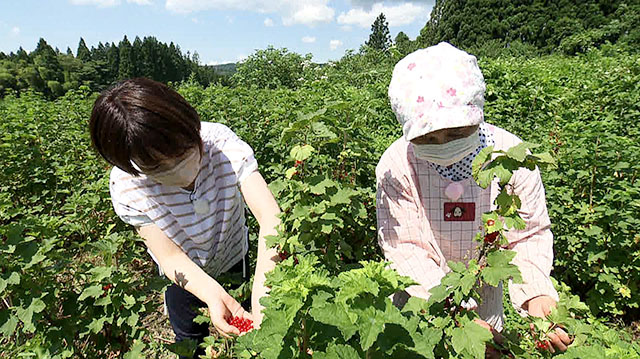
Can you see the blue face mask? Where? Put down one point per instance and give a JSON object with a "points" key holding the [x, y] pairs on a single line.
{"points": [[448, 153]]}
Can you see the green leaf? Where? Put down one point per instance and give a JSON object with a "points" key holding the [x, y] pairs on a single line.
{"points": [[320, 187], [132, 320], [426, 341], [97, 324], [370, 324], [301, 153], [338, 351], [136, 350], [519, 151], [499, 268], [480, 159], [9, 326], [93, 291], [201, 319], [129, 301], [470, 339], [185, 347], [336, 314], [14, 278], [100, 273], [26, 314], [342, 196], [290, 172], [321, 130]]}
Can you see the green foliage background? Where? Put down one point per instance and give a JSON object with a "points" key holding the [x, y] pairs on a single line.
{"points": [[62, 243], [76, 282]]}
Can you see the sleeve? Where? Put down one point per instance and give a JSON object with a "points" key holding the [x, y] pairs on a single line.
{"points": [[402, 236], [240, 154], [534, 244], [127, 213]]}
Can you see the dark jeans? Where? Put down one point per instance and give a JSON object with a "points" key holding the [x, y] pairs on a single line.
{"points": [[183, 308]]}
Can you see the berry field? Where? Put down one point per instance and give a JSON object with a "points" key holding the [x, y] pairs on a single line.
{"points": [[75, 282]]}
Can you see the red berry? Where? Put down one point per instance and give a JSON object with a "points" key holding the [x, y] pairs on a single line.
{"points": [[283, 255], [491, 237], [243, 324], [491, 222], [542, 345]]}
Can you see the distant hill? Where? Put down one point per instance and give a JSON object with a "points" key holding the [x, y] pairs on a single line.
{"points": [[225, 69]]}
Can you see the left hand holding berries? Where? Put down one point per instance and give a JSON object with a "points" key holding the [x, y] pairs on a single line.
{"points": [[541, 307]]}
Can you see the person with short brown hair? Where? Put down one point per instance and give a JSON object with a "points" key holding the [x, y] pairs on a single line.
{"points": [[183, 185]]}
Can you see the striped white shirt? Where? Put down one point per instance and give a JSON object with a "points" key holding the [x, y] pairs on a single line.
{"points": [[215, 240]]}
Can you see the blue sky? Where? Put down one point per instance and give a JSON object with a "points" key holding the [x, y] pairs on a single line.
{"points": [[219, 30]]}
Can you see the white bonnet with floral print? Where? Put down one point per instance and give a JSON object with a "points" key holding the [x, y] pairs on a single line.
{"points": [[435, 88]]}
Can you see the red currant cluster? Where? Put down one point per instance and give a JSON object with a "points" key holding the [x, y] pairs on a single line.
{"points": [[542, 345], [490, 237], [284, 255], [243, 324], [106, 288]]}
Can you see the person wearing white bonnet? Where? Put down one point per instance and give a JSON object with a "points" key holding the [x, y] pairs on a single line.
{"points": [[428, 205]]}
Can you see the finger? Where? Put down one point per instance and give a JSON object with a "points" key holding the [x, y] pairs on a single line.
{"points": [[225, 329], [563, 336], [550, 346], [248, 315], [555, 340]]}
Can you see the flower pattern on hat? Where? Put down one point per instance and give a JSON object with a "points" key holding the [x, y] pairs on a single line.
{"points": [[435, 88]]}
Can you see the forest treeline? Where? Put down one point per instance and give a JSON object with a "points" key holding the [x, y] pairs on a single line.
{"points": [[53, 72]]}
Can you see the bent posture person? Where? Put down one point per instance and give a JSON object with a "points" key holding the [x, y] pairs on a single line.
{"points": [[428, 205], [183, 184]]}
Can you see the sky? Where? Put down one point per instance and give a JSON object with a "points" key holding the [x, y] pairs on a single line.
{"points": [[221, 31]]}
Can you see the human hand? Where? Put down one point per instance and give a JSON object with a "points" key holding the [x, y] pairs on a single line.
{"points": [[223, 308], [541, 307]]}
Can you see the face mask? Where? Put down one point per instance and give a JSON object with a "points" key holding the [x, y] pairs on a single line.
{"points": [[448, 153], [183, 174]]}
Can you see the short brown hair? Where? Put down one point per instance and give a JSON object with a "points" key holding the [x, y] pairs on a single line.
{"points": [[144, 120]]}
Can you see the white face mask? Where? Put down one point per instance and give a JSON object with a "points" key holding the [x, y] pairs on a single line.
{"points": [[448, 153], [183, 174]]}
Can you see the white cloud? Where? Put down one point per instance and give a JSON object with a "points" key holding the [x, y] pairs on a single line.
{"points": [[195, 20], [368, 4], [268, 22], [15, 31], [308, 39], [345, 28], [240, 58], [140, 2], [334, 44], [403, 14], [308, 12]]}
